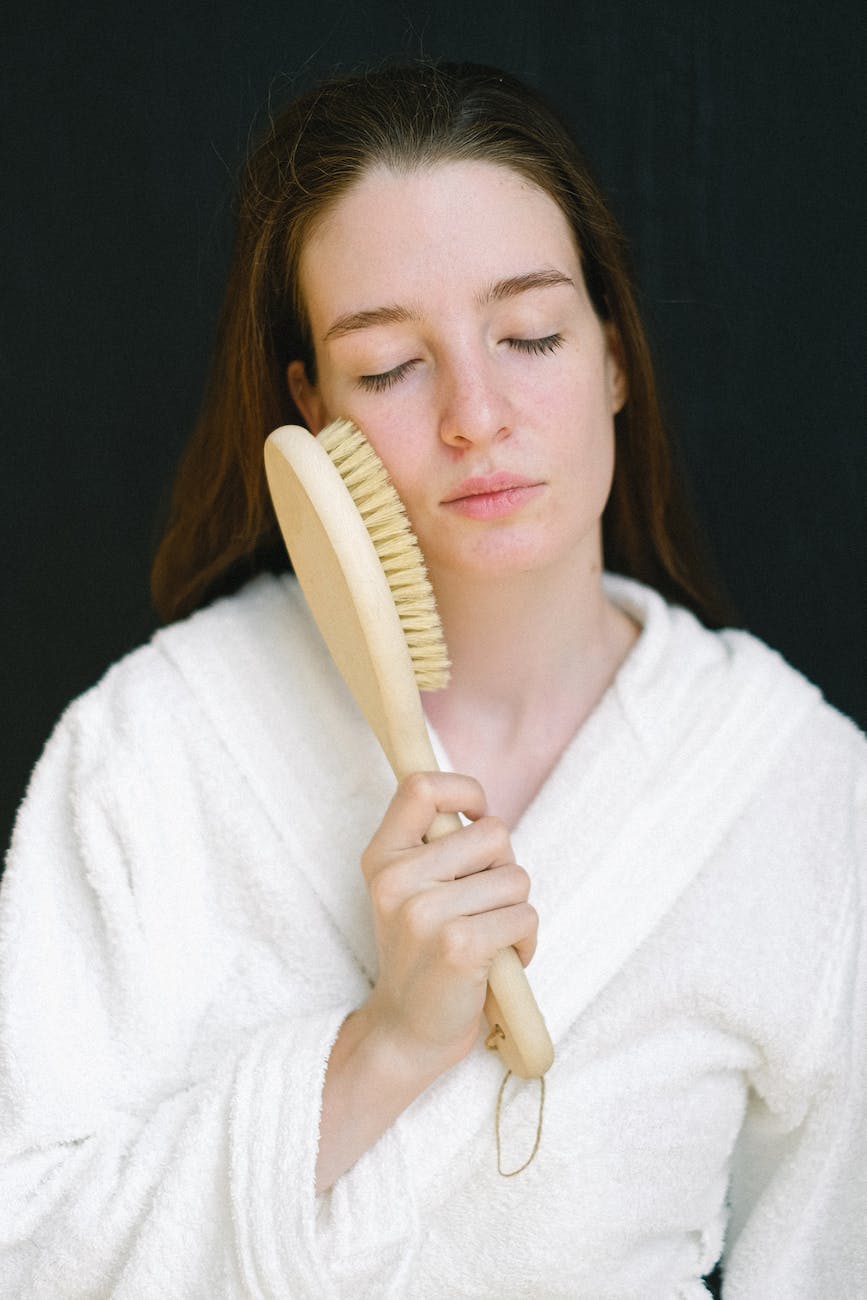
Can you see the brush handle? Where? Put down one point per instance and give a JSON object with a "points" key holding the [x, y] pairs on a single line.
{"points": [[518, 1031]]}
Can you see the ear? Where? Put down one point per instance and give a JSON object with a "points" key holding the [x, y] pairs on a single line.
{"points": [[305, 396], [618, 385]]}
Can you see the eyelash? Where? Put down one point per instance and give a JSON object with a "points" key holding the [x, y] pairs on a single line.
{"points": [[388, 378], [539, 347]]}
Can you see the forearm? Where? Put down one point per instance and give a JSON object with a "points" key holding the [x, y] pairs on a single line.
{"points": [[370, 1080]]}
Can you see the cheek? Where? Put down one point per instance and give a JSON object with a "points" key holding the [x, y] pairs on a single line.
{"points": [[580, 410], [381, 417], [400, 452], [578, 401], [409, 472]]}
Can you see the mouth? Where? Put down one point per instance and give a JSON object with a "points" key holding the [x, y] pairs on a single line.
{"points": [[492, 496]]}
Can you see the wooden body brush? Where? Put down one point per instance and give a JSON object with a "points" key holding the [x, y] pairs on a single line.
{"points": [[363, 576]]}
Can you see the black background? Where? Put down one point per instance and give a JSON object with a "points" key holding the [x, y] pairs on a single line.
{"points": [[729, 138]]}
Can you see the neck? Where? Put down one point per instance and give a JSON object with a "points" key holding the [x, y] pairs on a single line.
{"points": [[532, 655], [525, 649]]}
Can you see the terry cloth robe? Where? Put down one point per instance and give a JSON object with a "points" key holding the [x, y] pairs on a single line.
{"points": [[184, 927]]}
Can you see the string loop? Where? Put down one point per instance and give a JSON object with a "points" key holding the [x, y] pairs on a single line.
{"points": [[512, 1172]]}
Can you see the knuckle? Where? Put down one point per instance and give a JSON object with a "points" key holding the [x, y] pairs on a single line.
{"points": [[532, 918], [493, 826], [525, 919], [475, 791], [418, 786], [521, 879], [495, 836], [519, 883], [415, 916], [384, 891], [456, 942]]}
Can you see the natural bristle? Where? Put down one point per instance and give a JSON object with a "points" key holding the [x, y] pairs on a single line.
{"points": [[395, 543]]}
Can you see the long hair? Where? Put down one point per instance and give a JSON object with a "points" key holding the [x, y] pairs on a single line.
{"points": [[221, 527]]}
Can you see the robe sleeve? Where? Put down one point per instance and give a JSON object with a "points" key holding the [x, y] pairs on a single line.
{"points": [[127, 1167], [799, 1189]]}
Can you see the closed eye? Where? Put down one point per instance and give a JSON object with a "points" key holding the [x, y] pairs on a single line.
{"points": [[538, 347], [381, 382], [387, 379]]}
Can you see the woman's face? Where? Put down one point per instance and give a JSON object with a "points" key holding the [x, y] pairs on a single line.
{"points": [[451, 322]]}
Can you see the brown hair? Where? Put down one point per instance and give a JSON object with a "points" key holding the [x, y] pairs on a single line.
{"points": [[222, 528]]}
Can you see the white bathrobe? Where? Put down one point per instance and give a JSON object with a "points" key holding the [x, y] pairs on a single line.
{"points": [[184, 927]]}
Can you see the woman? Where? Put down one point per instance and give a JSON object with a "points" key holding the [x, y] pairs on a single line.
{"points": [[243, 1046]]}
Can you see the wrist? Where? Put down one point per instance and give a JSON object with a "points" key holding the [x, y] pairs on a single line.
{"points": [[404, 1064]]}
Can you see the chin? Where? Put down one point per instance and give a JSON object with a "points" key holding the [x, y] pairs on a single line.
{"points": [[502, 557]]}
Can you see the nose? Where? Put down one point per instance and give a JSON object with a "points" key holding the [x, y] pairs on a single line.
{"points": [[475, 409]]}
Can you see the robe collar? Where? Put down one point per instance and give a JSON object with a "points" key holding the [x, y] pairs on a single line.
{"points": [[634, 809]]}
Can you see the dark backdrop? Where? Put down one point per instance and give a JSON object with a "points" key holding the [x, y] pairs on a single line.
{"points": [[728, 136]]}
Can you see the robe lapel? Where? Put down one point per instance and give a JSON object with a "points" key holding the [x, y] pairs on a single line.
{"points": [[634, 810], [642, 825], [646, 792]]}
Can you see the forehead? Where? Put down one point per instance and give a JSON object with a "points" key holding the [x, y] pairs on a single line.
{"points": [[448, 228]]}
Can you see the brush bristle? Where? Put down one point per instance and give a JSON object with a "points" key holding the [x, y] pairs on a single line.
{"points": [[394, 541]]}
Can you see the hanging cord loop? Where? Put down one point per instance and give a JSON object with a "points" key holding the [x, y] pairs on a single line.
{"points": [[512, 1172]]}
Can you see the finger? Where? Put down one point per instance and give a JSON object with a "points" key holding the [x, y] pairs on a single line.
{"points": [[395, 877], [424, 914], [481, 849], [481, 846], [416, 802], [469, 944]]}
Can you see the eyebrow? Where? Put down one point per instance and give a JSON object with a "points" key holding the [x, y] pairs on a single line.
{"points": [[362, 320], [395, 314], [543, 279]]}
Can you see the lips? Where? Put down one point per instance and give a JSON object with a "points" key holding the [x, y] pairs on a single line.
{"points": [[492, 496], [488, 484]]}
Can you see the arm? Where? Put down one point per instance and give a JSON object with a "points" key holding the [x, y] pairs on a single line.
{"points": [[142, 1151], [441, 913], [799, 1187], [146, 1147]]}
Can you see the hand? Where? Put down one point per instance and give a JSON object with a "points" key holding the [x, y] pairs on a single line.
{"points": [[442, 911]]}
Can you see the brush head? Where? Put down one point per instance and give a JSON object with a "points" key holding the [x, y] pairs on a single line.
{"points": [[397, 549], [354, 602]]}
